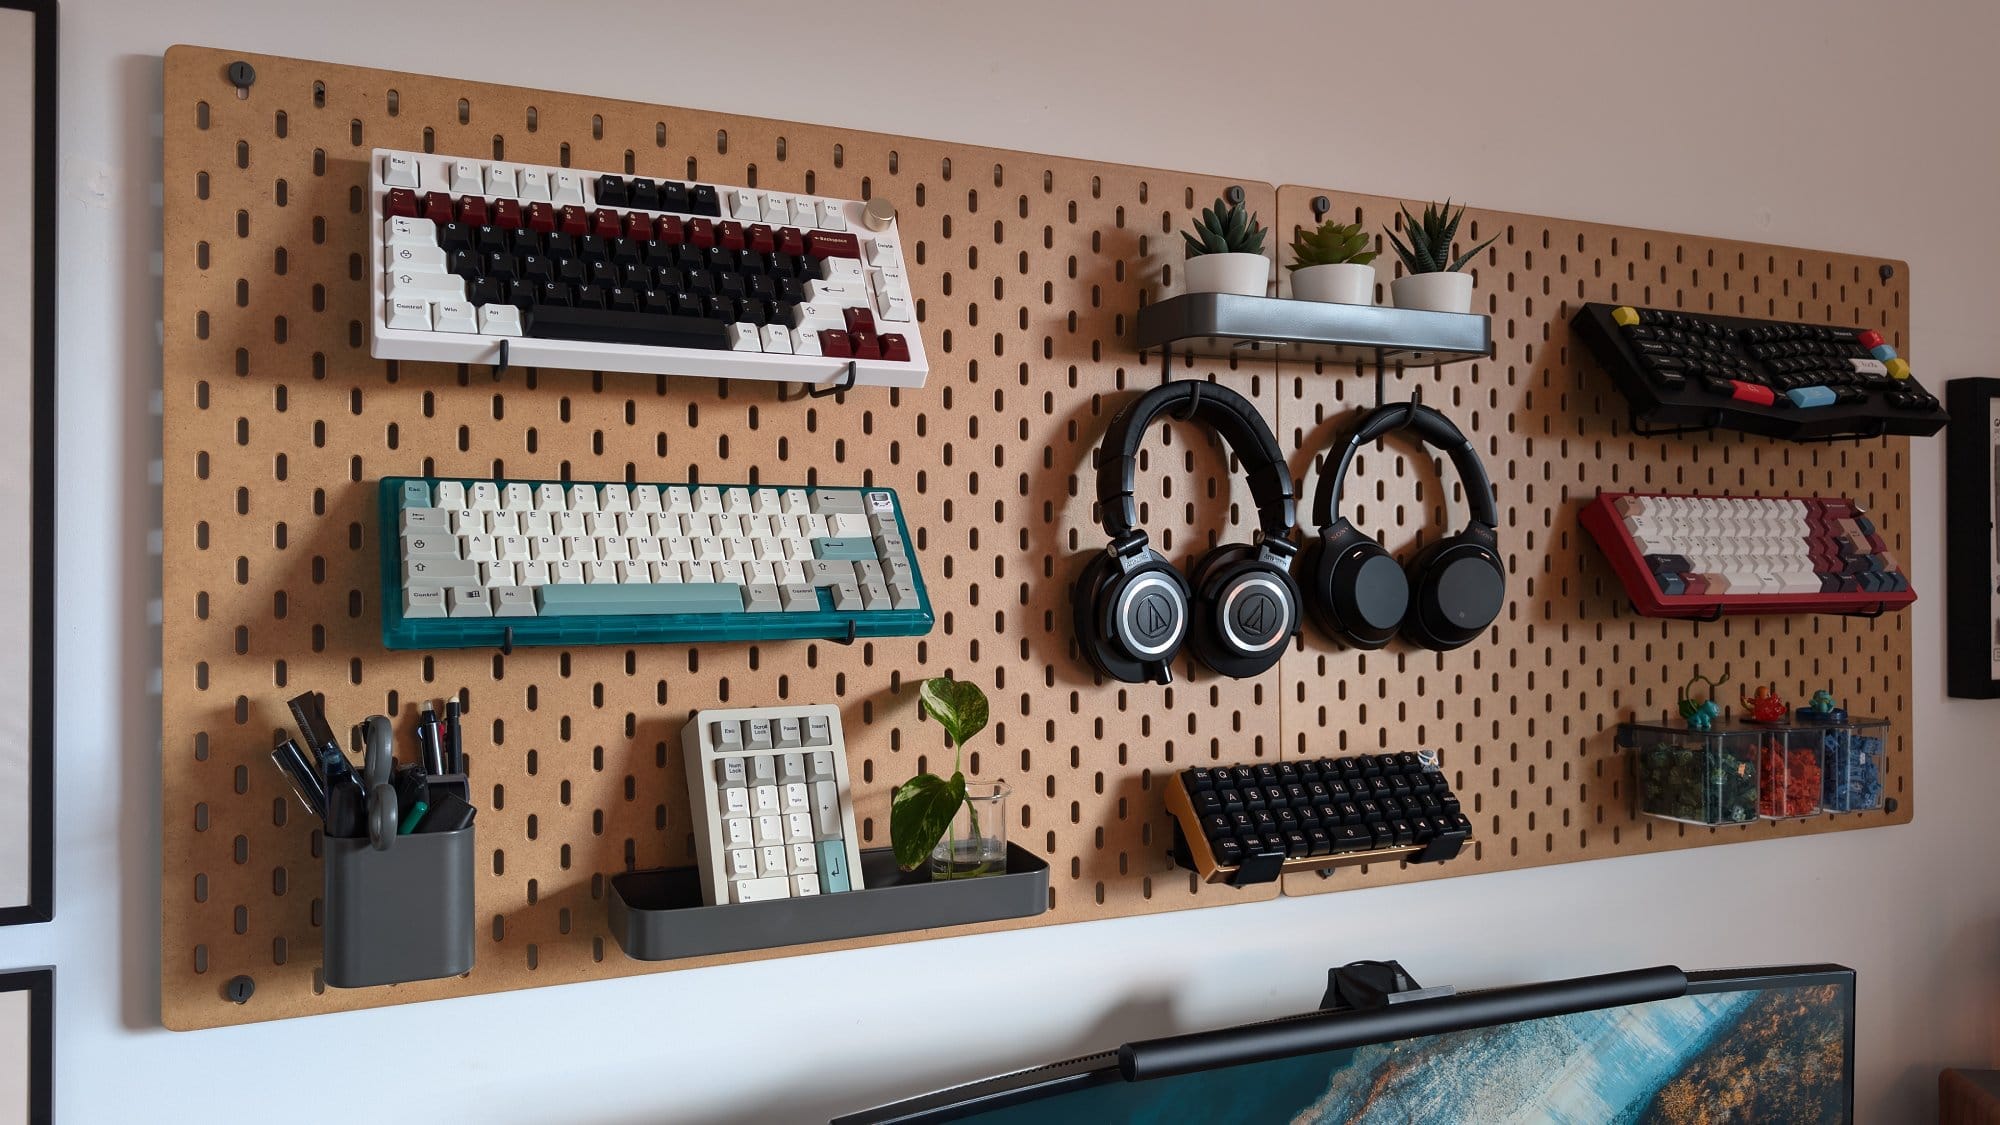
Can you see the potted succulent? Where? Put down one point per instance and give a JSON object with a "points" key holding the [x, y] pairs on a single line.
{"points": [[959, 827], [1331, 264], [1225, 250], [1434, 281]]}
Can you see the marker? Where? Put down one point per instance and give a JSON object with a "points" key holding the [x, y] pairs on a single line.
{"points": [[454, 749], [427, 739], [412, 818]]}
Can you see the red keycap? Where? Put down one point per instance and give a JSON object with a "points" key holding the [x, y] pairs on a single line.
{"points": [[758, 237], [835, 343], [1751, 392], [826, 244], [437, 207], [866, 346], [791, 241], [859, 320], [1696, 584], [701, 232], [573, 220], [730, 235], [606, 224], [542, 218], [402, 201], [670, 230], [506, 213], [472, 211], [895, 347], [1871, 338], [639, 228]]}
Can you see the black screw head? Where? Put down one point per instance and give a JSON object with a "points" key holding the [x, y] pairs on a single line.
{"points": [[241, 75], [1321, 205], [1234, 195], [1888, 272], [240, 989], [1890, 804]]}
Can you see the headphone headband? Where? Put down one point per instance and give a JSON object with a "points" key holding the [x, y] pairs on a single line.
{"points": [[1222, 410], [1434, 430]]}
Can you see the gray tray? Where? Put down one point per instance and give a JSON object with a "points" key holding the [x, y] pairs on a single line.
{"points": [[658, 915], [1229, 324], [401, 914]]}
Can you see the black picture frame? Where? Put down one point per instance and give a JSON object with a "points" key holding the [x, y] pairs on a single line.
{"points": [[40, 985], [1972, 522], [40, 906]]}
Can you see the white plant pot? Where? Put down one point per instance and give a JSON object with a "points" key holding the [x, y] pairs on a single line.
{"points": [[1342, 283], [1437, 292], [1248, 274]]}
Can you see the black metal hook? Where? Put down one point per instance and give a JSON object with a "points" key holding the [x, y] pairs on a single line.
{"points": [[837, 389], [849, 638], [1868, 615], [507, 641], [501, 368], [1193, 402]]}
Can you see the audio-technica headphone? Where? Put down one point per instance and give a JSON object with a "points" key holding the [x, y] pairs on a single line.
{"points": [[1239, 604], [1448, 594]]}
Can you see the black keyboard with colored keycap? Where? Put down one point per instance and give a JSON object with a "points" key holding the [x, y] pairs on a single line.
{"points": [[1252, 823], [1683, 371]]}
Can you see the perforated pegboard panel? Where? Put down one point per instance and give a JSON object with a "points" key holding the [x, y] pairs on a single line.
{"points": [[1525, 717], [277, 423]]}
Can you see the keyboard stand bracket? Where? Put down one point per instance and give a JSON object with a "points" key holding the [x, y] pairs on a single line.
{"points": [[838, 392]]}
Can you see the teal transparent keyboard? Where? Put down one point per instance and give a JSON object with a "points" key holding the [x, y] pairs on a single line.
{"points": [[479, 563]]}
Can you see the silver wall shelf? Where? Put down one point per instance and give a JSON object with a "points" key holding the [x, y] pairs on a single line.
{"points": [[1228, 324]]}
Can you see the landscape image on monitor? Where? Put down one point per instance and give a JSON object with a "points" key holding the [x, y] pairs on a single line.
{"points": [[1776, 1054]]}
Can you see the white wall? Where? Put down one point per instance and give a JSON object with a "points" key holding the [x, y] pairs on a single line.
{"points": [[1849, 126]]}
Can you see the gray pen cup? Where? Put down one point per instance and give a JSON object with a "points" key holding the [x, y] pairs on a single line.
{"points": [[401, 913]]}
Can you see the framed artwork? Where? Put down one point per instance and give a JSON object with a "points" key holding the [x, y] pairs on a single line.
{"points": [[27, 465], [27, 1046], [1972, 539]]}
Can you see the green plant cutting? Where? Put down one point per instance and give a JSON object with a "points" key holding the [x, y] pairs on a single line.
{"points": [[1333, 244], [923, 807], [1225, 228], [1429, 248]]}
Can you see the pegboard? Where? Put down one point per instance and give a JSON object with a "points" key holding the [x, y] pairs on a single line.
{"points": [[1526, 718], [1029, 267], [277, 424]]}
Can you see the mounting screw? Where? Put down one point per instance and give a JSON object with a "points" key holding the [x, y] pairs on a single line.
{"points": [[1234, 195], [1321, 205], [240, 989], [1887, 272], [1890, 804]]}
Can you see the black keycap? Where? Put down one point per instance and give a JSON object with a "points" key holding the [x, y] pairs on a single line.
{"points": [[1263, 820], [635, 276], [760, 286], [488, 292], [1385, 837], [1216, 826], [1288, 820], [1351, 838], [625, 251], [1350, 812], [660, 303], [674, 197], [1296, 844], [789, 291], [521, 240], [720, 309], [1244, 776], [703, 200], [559, 246], [611, 191], [1392, 806], [1228, 852], [591, 248], [750, 261], [601, 273], [1408, 761], [700, 283], [1424, 829], [1406, 832], [1288, 773], [590, 296], [1232, 799], [750, 311], [1338, 790], [1196, 780], [670, 279], [499, 266], [1399, 783], [1207, 801], [1296, 794], [729, 283], [1349, 767], [557, 323], [785, 313], [1309, 772], [1378, 785], [1317, 793], [643, 193], [464, 263], [1276, 797], [1371, 810], [570, 270], [1328, 814], [555, 294], [454, 236], [620, 299], [521, 294], [489, 240], [1241, 821]]}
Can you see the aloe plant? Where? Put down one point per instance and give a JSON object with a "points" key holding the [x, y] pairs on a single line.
{"points": [[1225, 228], [1331, 245], [1429, 248]]}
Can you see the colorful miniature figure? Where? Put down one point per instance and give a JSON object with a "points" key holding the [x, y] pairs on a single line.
{"points": [[1766, 706], [1700, 716]]}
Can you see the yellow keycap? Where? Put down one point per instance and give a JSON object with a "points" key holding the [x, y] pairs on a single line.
{"points": [[1899, 368], [1625, 315]]}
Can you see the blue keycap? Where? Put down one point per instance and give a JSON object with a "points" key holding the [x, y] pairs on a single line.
{"points": [[1811, 396], [416, 494], [844, 549], [832, 866], [1883, 352], [576, 600]]}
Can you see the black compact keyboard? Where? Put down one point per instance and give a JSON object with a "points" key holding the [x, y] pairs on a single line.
{"points": [[1250, 824], [1806, 382]]}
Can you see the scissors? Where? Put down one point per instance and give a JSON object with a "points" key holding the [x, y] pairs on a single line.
{"points": [[378, 770]]}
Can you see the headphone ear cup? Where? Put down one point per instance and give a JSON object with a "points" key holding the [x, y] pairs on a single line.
{"points": [[1129, 619], [1364, 595], [1245, 610], [1085, 601], [1457, 588]]}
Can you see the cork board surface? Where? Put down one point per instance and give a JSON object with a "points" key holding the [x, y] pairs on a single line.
{"points": [[1029, 269]]}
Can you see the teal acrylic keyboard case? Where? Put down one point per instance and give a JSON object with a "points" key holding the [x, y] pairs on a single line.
{"points": [[399, 632]]}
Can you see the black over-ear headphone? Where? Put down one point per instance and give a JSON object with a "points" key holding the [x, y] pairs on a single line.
{"points": [[1239, 605], [1448, 594]]}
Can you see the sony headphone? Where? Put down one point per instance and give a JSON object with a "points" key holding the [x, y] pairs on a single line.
{"points": [[1239, 606], [1448, 594]]}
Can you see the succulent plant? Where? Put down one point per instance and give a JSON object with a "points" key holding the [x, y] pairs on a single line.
{"points": [[1429, 248], [1225, 228], [1331, 245]]}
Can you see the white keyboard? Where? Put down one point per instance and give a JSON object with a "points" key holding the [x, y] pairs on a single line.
{"points": [[773, 817], [600, 271]]}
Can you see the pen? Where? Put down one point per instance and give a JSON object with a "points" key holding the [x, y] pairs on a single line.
{"points": [[454, 750], [412, 818], [427, 739], [306, 782]]}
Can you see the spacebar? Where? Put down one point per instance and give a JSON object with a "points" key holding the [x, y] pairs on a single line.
{"points": [[608, 600], [604, 326]]}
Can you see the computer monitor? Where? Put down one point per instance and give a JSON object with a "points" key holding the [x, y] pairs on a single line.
{"points": [[1773, 1044]]}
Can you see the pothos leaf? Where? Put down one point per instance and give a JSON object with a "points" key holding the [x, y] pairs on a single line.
{"points": [[920, 813], [958, 706]]}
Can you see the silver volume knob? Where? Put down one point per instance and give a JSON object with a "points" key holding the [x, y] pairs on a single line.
{"points": [[878, 214]]}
